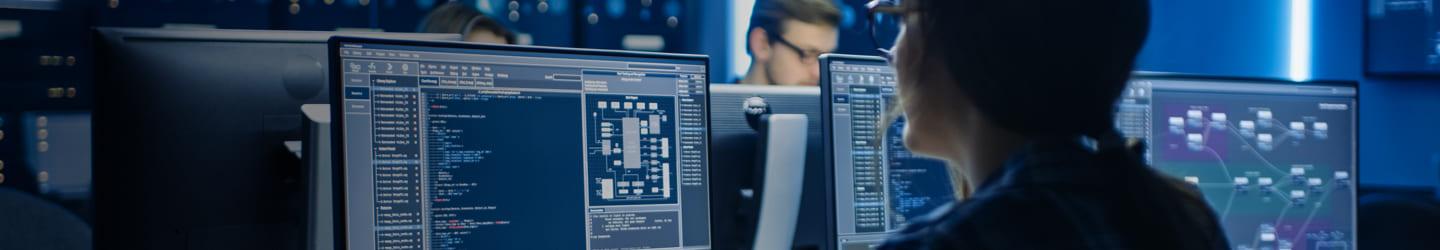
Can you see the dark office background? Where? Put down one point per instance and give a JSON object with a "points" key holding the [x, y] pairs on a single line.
{"points": [[47, 49]]}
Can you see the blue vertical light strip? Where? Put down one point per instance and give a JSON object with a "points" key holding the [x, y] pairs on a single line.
{"points": [[1300, 22], [739, 33]]}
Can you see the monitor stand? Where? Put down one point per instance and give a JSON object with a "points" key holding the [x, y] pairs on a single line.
{"points": [[320, 222], [783, 140]]}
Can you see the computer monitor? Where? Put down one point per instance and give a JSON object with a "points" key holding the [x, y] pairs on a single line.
{"points": [[740, 169], [1275, 160], [446, 145], [189, 130], [876, 184]]}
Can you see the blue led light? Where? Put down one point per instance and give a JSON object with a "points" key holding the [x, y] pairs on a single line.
{"points": [[1300, 40], [672, 8], [615, 8]]}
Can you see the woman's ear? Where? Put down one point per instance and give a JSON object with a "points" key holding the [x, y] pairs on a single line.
{"points": [[759, 45]]}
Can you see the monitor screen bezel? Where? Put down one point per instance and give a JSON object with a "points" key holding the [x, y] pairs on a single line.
{"points": [[337, 123]]}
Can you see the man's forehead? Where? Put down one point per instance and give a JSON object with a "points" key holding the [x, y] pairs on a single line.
{"points": [[810, 36]]}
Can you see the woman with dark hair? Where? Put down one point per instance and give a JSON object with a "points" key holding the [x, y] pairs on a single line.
{"points": [[472, 25], [1018, 98]]}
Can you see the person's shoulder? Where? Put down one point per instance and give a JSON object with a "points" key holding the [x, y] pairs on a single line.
{"points": [[1017, 218], [1004, 200], [1012, 204], [1061, 215]]}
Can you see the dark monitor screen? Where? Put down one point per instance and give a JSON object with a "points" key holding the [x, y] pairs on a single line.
{"points": [[877, 184], [189, 135], [1275, 160], [465, 146]]}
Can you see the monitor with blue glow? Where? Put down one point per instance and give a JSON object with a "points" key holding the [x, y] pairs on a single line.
{"points": [[1275, 160], [448, 145]]}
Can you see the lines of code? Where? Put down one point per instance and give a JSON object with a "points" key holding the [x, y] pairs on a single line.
{"points": [[475, 150], [397, 163], [917, 184], [484, 154], [869, 198]]}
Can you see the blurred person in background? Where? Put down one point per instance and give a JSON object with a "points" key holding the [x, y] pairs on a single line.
{"points": [[457, 18], [786, 38]]}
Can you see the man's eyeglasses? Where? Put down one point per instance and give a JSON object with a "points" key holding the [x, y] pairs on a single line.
{"points": [[886, 18], [806, 56]]}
